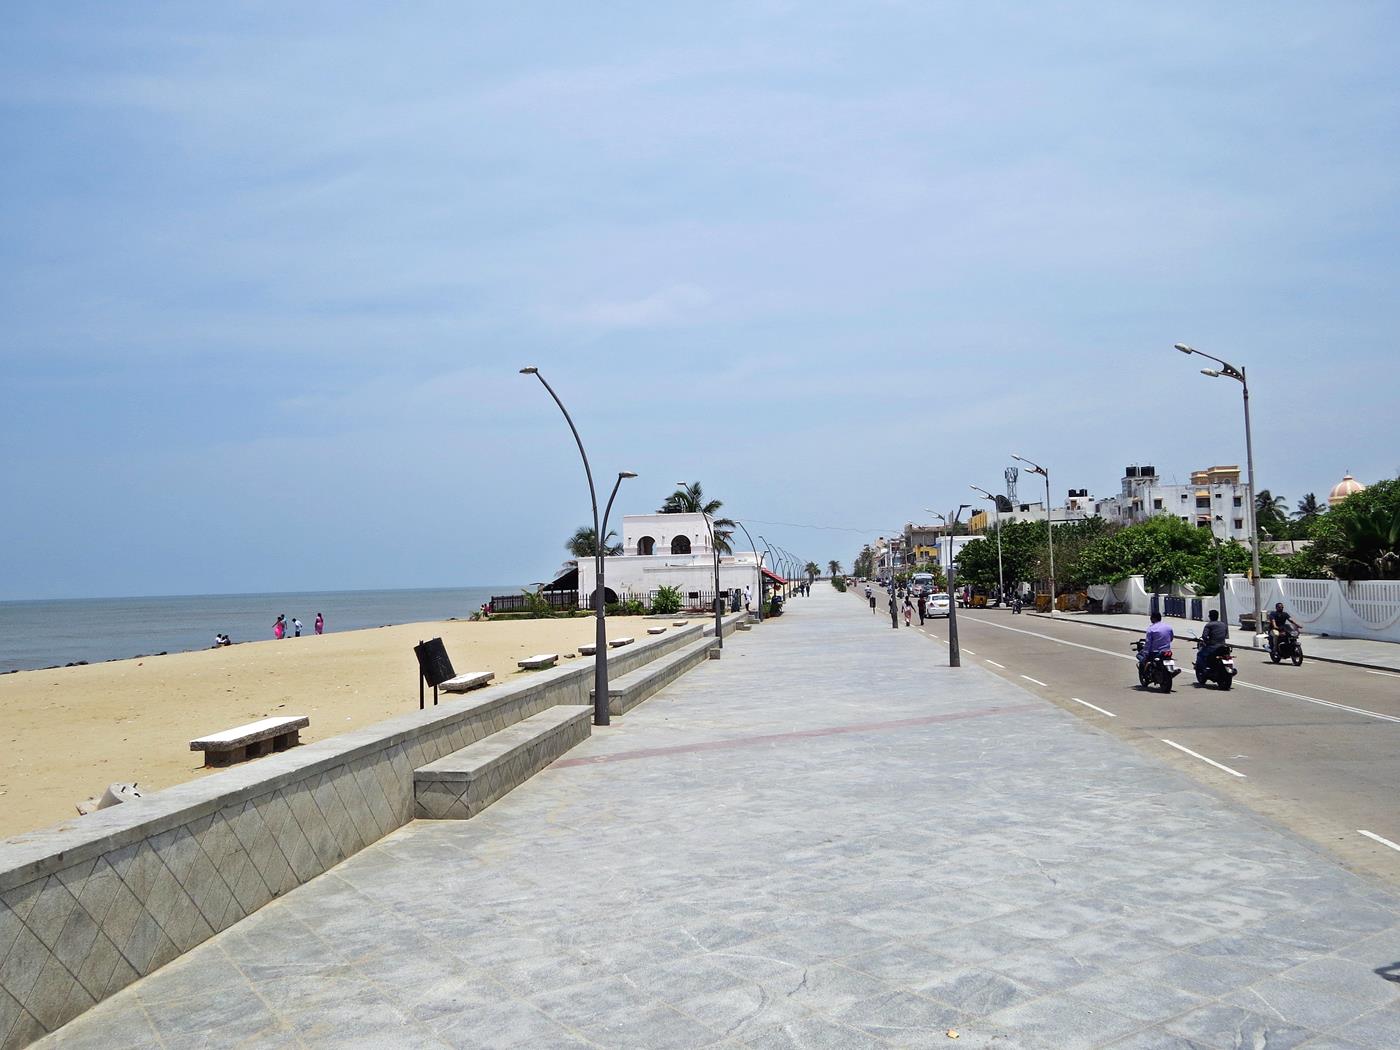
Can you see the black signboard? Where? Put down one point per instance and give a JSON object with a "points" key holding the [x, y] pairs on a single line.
{"points": [[436, 668]]}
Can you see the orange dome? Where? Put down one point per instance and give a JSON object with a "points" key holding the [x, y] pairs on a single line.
{"points": [[1348, 486]]}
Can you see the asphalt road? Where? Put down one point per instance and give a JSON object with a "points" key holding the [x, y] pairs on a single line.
{"points": [[1316, 748]]}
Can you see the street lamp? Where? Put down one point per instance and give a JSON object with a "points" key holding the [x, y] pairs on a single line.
{"points": [[951, 520], [1049, 526], [1231, 372], [758, 571], [719, 625], [600, 649], [996, 511]]}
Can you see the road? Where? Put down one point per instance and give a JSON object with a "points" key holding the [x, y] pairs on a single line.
{"points": [[1316, 748]]}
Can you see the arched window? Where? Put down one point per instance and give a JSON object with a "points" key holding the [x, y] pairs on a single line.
{"points": [[646, 545], [680, 545]]}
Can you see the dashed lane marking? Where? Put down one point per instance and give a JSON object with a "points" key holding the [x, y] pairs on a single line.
{"points": [[1238, 684], [1384, 842], [1037, 681], [1383, 674], [995, 664], [1100, 710], [1208, 761]]}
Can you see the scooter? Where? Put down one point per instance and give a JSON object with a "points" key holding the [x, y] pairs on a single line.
{"points": [[1287, 646], [1159, 669], [1219, 668]]}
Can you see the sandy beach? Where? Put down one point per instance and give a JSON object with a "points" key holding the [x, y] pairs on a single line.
{"points": [[71, 731]]}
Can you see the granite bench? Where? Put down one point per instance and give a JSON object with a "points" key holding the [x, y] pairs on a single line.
{"points": [[538, 662], [251, 741], [618, 643], [467, 681], [656, 630], [627, 691], [462, 784]]}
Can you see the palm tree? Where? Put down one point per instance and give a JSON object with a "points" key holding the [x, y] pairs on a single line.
{"points": [[834, 567], [1308, 508], [813, 570], [1270, 512], [690, 499], [584, 543]]}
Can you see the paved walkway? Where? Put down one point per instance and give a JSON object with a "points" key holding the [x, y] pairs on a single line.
{"points": [[1359, 651], [822, 840]]}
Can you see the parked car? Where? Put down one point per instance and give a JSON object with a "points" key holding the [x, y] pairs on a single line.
{"points": [[936, 605]]}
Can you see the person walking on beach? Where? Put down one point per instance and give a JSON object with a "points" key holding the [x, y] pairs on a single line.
{"points": [[296, 626], [279, 629], [320, 624], [748, 598]]}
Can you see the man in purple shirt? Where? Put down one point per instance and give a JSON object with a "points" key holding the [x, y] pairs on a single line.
{"points": [[1159, 638]]}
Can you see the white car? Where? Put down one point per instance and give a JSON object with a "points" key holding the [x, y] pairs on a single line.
{"points": [[936, 605]]}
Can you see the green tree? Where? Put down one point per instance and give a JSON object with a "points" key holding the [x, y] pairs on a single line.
{"points": [[1309, 508], [1271, 514], [584, 543], [1359, 539], [864, 566], [834, 567], [813, 570], [690, 499], [667, 601]]}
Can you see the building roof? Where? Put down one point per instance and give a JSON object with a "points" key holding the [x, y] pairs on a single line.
{"points": [[1348, 486]]}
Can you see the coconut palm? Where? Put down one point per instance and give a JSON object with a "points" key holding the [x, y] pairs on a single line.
{"points": [[834, 567], [1271, 512], [1308, 508], [690, 499], [584, 543], [813, 570]]}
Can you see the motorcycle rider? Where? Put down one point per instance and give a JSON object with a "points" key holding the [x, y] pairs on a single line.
{"points": [[1159, 638], [1213, 637], [1279, 621]]}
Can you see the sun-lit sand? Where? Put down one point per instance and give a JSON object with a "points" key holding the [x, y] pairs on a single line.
{"points": [[68, 733]]}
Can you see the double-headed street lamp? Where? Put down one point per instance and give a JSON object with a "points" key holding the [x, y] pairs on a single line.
{"points": [[1231, 372], [996, 511], [600, 650], [951, 520], [719, 624], [1035, 468]]}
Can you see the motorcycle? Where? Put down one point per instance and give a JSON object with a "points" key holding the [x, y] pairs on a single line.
{"points": [[1219, 668], [1159, 669], [1287, 646]]}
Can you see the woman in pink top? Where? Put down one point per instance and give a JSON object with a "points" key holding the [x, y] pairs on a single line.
{"points": [[320, 623], [279, 629]]}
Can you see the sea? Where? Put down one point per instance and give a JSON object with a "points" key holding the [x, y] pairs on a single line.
{"points": [[52, 633]]}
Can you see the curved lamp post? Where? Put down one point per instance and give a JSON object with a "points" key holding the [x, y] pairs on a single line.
{"points": [[996, 511], [951, 520], [600, 651], [1229, 371], [719, 621], [1035, 468], [758, 571]]}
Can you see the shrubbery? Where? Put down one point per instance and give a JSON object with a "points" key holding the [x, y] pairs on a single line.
{"points": [[667, 601]]}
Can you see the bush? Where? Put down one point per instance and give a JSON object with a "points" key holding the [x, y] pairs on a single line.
{"points": [[667, 601], [629, 607], [839, 582]]}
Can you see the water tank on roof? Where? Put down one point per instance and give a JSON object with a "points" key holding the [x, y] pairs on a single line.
{"points": [[1149, 472], [1130, 472]]}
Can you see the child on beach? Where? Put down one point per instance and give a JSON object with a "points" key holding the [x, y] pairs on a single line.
{"points": [[296, 626]]}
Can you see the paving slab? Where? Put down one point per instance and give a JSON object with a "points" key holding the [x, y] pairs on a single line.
{"points": [[824, 840]]}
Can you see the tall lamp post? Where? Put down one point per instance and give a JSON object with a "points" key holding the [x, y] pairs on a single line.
{"points": [[996, 511], [951, 520], [719, 624], [600, 651], [758, 571], [1036, 468], [1231, 372]]}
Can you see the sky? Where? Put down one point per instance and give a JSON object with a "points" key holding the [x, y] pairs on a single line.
{"points": [[268, 271]]}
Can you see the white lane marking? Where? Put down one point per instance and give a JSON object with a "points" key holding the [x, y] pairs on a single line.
{"points": [[1037, 681], [995, 664], [1209, 761], [1100, 710], [1383, 674], [1384, 842], [1242, 685]]}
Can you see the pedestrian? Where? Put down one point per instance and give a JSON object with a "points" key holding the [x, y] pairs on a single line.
{"points": [[923, 607], [908, 613], [748, 598], [279, 629], [894, 610], [320, 624], [296, 626]]}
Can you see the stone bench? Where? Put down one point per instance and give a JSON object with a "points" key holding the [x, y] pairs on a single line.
{"points": [[462, 784], [679, 623], [656, 630], [618, 643], [251, 741], [588, 650], [627, 691], [464, 683], [538, 662]]}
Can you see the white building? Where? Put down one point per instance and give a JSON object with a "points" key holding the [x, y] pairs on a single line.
{"points": [[669, 550], [1215, 498]]}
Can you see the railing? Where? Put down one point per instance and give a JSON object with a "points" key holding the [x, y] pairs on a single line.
{"points": [[501, 603], [690, 600], [1173, 606]]}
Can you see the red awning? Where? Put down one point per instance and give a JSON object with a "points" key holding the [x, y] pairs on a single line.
{"points": [[775, 578]]}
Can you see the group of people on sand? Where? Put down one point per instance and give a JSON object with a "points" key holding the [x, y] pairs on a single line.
{"points": [[282, 628]]}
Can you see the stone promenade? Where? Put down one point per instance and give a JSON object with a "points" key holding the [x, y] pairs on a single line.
{"points": [[822, 840]]}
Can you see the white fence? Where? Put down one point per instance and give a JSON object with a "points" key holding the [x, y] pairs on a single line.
{"points": [[1365, 609]]}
